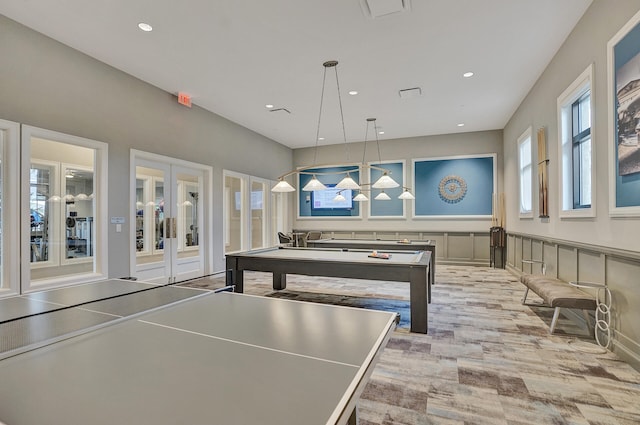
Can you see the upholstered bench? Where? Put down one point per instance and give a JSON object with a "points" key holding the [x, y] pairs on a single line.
{"points": [[558, 294]]}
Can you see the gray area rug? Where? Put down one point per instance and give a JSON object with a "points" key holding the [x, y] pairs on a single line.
{"points": [[400, 307]]}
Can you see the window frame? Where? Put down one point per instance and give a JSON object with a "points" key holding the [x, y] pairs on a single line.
{"points": [[10, 212], [245, 218], [573, 93], [100, 258], [527, 135]]}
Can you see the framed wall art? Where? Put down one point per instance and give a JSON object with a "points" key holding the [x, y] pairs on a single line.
{"points": [[455, 187], [623, 65]]}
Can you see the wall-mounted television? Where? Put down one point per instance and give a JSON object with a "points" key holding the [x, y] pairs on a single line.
{"points": [[325, 199]]}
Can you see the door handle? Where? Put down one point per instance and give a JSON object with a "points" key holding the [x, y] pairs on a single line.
{"points": [[170, 225]]}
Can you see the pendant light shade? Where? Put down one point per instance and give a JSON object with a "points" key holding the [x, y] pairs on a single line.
{"points": [[406, 195], [365, 186], [348, 183], [382, 197], [283, 186], [360, 197], [385, 182], [314, 184]]}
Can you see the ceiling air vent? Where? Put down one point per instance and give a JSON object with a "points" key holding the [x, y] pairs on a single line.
{"points": [[409, 93], [378, 8]]}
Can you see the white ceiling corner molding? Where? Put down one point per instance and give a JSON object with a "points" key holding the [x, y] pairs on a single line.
{"points": [[373, 9]]}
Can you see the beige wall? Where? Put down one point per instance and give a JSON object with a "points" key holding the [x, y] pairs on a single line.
{"points": [[602, 249], [46, 84], [586, 45]]}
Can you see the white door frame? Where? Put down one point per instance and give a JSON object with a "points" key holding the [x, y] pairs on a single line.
{"points": [[10, 269], [138, 157]]}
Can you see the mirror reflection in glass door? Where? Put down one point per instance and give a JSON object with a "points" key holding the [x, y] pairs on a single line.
{"points": [[149, 215]]}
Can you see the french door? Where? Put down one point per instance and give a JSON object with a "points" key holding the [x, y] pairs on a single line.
{"points": [[168, 215]]}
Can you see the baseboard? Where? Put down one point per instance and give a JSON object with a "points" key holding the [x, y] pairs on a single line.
{"points": [[627, 349], [623, 346], [463, 262]]}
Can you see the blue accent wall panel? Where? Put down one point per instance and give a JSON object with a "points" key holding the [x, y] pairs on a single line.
{"points": [[467, 183], [329, 179], [627, 185], [393, 207]]}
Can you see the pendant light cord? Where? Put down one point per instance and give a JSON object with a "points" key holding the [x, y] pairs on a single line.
{"points": [[344, 133], [324, 80], [375, 131]]}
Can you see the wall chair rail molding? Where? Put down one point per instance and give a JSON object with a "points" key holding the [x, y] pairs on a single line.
{"points": [[618, 269]]}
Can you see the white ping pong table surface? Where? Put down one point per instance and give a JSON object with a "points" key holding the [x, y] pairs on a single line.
{"points": [[176, 355]]}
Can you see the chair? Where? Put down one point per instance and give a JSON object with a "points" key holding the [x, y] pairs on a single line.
{"points": [[313, 235], [284, 238]]}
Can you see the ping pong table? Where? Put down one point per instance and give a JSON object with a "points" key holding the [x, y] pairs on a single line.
{"points": [[398, 266], [202, 358], [382, 245]]}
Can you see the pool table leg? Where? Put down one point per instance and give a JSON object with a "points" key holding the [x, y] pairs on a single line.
{"points": [[236, 278], [279, 281], [419, 293], [429, 283]]}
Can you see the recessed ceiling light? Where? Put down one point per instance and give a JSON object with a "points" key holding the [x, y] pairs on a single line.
{"points": [[145, 27], [268, 106], [320, 138], [467, 74], [353, 92], [461, 124], [380, 132]]}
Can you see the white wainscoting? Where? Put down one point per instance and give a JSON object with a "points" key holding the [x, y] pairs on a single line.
{"points": [[458, 248], [566, 260]]}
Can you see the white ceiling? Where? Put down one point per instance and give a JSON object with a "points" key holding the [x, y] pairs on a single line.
{"points": [[234, 57]]}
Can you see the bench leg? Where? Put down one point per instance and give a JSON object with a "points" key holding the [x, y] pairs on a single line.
{"points": [[556, 313], [526, 291]]}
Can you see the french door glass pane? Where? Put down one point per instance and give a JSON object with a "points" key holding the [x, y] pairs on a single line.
{"points": [[141, 243], [78, 212], [233, 213], [257, 215], [42, 202], [188, 213], [158, 214], [149, 215]]}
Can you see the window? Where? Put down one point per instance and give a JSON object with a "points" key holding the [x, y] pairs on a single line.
{"points": [[64, 206], [581, 146], [247, 213], [576, 154], [524, 168]]}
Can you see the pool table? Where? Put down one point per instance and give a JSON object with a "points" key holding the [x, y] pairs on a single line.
{"points": [[382, 244], [401, 266]]}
